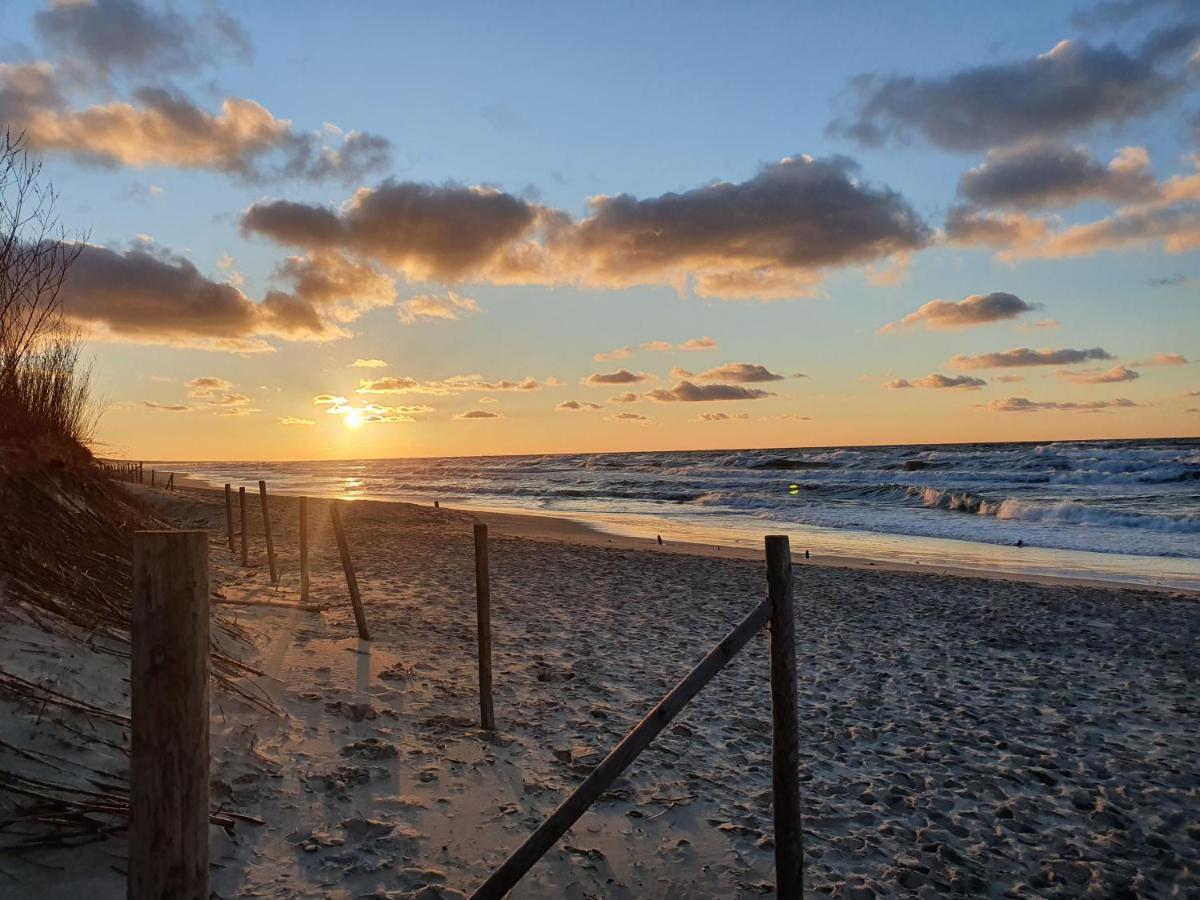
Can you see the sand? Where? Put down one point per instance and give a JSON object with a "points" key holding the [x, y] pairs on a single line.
{"points": [[960, 735]]}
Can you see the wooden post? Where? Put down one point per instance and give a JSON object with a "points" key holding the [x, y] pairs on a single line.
{"points": [[303, 548], [171, 482], [601, 778], [483, 624], [168, 827], [348, 567], [785, 743], [141, 474], [262, 493], [151, 478], [229, 515], [242, 509]]}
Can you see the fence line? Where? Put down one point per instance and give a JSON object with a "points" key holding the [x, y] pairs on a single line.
{"points": [[789, 862]]}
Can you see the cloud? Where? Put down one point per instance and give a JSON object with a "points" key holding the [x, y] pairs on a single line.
{"points": [[165, 127], [1072, 87], [977, 309], [327, 290], [102, 37], [934, 380], [369, 413], [368, 364], [292, 420], [720, 417], [478, 414], [742, 373], [162, 407], [431, 306], [1170, 280], [689, 392], [1040, 325], [630, 417], [442, 233], [1021, 404], [1010, 379], [1162, 359], [968, 226], [1100, 376], [767, 238], [1045, 174], [207, 386], [1023, 356], [704, 343], [627, 397], [455, 384], [576, 406], [621, 376]]}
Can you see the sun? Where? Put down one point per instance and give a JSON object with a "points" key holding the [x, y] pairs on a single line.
{"points": [[353, 419]]}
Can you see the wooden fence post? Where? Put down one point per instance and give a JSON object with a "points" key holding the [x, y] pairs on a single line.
{"points": [[168, 828], [348, 567], [229, 515], [242, 509], [151, 478], [303, 548], [483, 624], [785, 743], [262, 493]]}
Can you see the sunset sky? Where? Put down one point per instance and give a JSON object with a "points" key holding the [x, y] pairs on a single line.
{"points": [[389, 229]]}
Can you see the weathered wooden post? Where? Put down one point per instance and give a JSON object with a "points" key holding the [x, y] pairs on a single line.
{"points": [[303, 548], [483, 623], [348, 567], [151, 478], [229, 515], [262, 493], [141, 474], [785, 743], [242, 509], [168, 827]]}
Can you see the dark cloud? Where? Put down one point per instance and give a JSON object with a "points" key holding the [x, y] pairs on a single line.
{"points": [[1021, 404], [445, 233], [742, 373], [977, 309], [164, 407], [478, 414], [689, 392], [105, 36], [969, 226], [630, 417], [720, 417], [148, 294], [1023, 356], [1073, 86], [767, 237], [626, 397], [1100, 376], [1045, 174], [934, 380], [621, 376], [576, 406], [1169, 281]]}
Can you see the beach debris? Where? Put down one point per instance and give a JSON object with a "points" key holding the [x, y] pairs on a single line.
{"points": [[370, 748]]}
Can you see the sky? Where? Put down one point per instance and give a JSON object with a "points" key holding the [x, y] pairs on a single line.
{"points": [[385, 229]]}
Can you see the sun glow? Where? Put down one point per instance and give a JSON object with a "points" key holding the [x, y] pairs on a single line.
{"points": [[353, 419]]}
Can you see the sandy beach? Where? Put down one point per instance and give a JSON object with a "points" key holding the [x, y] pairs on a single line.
{"points": [[960, 735]]}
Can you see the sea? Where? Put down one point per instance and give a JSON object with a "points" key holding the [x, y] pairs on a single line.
{"points": [[1122, 511]]}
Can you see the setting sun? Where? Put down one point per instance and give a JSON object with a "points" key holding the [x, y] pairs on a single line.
{"points": [[353, 419]]}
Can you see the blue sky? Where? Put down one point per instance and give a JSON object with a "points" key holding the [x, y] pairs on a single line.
{"points": [[556, 103]]}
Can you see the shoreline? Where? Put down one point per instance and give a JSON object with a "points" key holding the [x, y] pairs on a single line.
{"points": [[588, 531]]}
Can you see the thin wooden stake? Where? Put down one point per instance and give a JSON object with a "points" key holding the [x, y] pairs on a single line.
{"points": [[151, 478], [785, 749], [229, 515], [266, 513], [348, 567], [303, 548], [169, 763], [483, 624], [242, 509], [601, 778]]}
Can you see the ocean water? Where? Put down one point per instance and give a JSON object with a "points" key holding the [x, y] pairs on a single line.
{"points": [[1127, 510]]}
